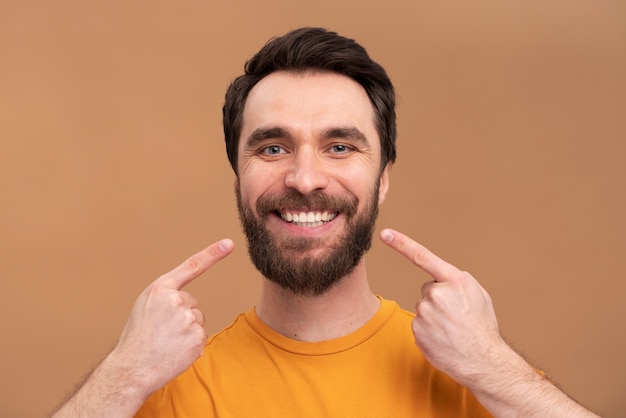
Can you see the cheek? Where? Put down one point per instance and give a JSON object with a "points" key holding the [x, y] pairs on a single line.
{"points": [[358, 183], [254, 173], [251, 186]]}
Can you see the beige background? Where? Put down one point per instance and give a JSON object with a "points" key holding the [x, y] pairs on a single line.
{"points": [[113, 170]]}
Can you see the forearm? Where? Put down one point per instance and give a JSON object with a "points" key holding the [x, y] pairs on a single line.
{"points": [[112, 390], [513, 388]]}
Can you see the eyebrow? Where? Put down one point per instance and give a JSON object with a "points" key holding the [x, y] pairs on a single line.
{"points": [[348, 132], [261, 134], [345, 132]]}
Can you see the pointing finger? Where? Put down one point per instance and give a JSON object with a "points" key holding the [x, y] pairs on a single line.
{"points": [[419, 255], [197, 264]]}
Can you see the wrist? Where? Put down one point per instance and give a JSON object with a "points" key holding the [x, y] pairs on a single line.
{"points": [[116, 386], [124, 377], [509, 386], [109, 391], [498, 370]]}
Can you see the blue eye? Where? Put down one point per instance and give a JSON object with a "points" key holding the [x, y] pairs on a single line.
{"points": [[272, 150], [340, 148]]}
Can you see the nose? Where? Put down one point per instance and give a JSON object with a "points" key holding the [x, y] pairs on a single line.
{"points": [[306, 172]]}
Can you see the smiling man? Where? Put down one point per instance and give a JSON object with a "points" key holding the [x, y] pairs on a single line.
{"points": [[310, 133], [309, 178]]}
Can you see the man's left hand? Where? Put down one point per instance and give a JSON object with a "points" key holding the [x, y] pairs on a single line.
{"points": [[455, 324]]}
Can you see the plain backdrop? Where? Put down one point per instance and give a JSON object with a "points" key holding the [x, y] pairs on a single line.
{"points": [[112, 170]]}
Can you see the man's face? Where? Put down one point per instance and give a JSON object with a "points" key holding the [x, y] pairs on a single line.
{"points": [[309, 181]]}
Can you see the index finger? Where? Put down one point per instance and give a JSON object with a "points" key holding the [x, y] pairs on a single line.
{"points": [[419, 255], [197, 264]]}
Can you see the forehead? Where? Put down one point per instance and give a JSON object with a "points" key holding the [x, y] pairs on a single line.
{"points": [[308, 102]]}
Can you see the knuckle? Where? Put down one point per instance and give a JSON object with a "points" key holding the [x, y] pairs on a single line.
{"points": [[415, 326], [420, 258], [193, 265], [422, 312], [176, 299], [189, 317], [437, 295]]}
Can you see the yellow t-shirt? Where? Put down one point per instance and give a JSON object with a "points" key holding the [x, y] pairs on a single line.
{"points": [[249, 370]]}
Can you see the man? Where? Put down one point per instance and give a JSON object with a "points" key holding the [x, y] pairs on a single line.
{"points": [[310, 134]]}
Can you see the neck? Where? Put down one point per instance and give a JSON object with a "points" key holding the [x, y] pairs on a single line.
{"points": [[347, 306]]}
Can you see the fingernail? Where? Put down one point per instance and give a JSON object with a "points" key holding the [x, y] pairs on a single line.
{"points": [[226, 245], [386, 235]]}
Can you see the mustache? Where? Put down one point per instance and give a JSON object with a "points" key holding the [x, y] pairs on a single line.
{"points": [[314, 201]]}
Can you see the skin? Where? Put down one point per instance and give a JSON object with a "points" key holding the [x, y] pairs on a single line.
{"points": [[163, 336], [455, 324], [456, 328], [300, 116]]}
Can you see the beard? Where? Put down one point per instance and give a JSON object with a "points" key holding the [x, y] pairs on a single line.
{"points": [[284, 262]]}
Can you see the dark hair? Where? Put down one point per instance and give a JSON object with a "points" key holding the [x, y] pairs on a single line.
{"points": [[314, 49]]}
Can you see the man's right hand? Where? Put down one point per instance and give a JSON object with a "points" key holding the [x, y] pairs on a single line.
{"points": [[165, 332], [162, 338]]}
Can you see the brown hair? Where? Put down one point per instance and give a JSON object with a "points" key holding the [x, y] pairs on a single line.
{"points": [[314, 49]]}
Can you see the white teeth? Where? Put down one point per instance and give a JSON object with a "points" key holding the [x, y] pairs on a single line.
{"points": [[309, 219]]}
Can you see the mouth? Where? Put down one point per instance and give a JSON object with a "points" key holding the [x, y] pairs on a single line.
{"points": [[307, 218]]}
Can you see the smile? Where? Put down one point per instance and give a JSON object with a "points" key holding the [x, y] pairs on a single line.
{"points": [[308, 219]]}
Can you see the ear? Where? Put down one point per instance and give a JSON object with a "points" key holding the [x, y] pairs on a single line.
{"points": [[383, 185]]}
